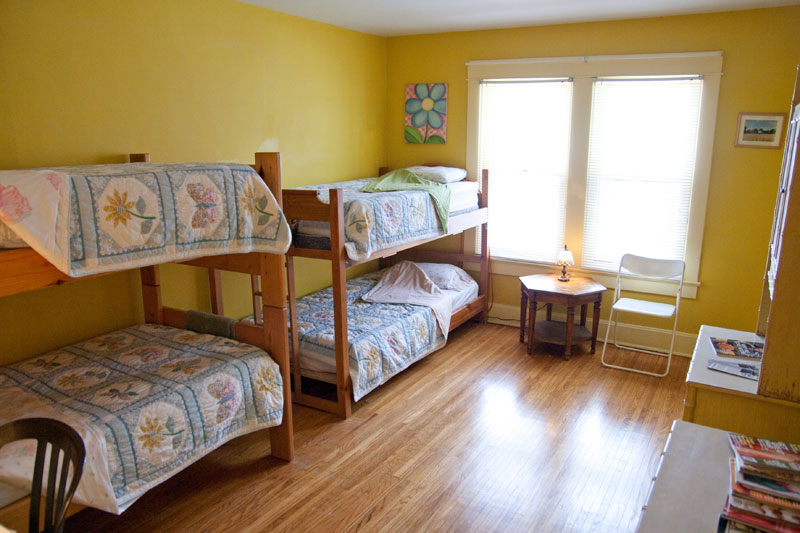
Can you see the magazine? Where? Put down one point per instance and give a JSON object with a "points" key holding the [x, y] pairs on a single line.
{"points": [[758, 522], [743, 370], [770, 512], [752, 351], [758, 466], [740, 490], [777, 487], [767, 449]]}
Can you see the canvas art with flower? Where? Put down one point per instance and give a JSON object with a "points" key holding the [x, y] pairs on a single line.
{"points": [[426, 113]]}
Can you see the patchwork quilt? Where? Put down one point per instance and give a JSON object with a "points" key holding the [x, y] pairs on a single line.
{"points": [[91, 219], [384, 338], [379, 220], [148, 400]]}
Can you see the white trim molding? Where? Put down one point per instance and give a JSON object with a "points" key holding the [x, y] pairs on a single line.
{"points": [[648, 338]]}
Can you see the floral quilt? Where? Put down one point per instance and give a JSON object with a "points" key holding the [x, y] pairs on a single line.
{"points": [[91, 219], [384, 338], [379, 220], [148, 401]]}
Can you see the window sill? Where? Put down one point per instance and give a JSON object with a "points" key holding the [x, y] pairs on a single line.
{"points": [[509, 267]]}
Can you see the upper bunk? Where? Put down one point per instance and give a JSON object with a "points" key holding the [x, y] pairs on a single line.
{"points": [[86, 221], [357, 227]]}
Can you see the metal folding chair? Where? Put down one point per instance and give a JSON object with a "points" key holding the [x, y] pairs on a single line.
{"points": [[653, 269]]}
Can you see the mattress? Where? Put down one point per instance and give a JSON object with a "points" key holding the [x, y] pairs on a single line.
{"points": [[375, 221], [148, 401], [384, 339]]}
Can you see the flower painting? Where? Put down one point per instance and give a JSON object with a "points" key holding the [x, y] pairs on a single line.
{"points": [[426, 113]]}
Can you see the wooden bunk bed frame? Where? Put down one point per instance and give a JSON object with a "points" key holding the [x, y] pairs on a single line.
{"points": [[24, 270], [301, 204]]}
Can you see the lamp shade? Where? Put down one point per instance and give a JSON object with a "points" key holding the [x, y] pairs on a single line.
{"points": [[565, 257]]}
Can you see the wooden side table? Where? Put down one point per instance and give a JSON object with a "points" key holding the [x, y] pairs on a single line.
{"points": [[545, 288]]}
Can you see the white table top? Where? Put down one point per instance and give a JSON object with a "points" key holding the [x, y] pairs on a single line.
{"points": [[692, 482], [699, 374]]}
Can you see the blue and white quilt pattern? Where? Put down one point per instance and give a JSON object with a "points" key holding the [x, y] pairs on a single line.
{"points": [[91, 219], [384, 338], [148, 401], [379, 220]]}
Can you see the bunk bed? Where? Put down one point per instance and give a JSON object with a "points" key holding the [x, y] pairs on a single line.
{"points": [[151, 399], [344, 247]]}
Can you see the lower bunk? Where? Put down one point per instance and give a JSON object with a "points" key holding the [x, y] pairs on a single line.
{"points": [[383, 338], [148, 401]]}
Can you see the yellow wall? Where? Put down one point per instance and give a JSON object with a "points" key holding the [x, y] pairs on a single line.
{"points": [[87, 81], [761, 50]]}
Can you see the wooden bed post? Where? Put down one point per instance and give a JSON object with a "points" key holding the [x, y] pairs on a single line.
{"points": [[151, 295], [139, 158], [215, 288], [339, 273], [277, 344], [483, 201], [273, 301], [293, 331]]}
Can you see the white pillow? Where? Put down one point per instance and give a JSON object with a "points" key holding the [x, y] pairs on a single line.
{"points": [[439, 174], [9, 239], [447, 277]]}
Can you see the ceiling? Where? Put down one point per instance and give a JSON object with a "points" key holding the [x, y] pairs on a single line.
{"points": [[409, 17]]}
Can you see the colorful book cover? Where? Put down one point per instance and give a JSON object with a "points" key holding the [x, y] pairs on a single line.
{"points": [[752, 351]]}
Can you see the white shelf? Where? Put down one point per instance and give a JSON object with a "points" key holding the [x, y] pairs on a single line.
{"points": [[700, 375]]}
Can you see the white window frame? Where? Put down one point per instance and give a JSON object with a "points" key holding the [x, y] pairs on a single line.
{"points": [[583, 70]]}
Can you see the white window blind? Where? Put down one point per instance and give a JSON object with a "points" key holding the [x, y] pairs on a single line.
{"points": [[642, 145], [524, 142]]}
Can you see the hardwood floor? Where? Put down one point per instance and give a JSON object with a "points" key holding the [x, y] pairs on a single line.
{"points": [[479, 436]]}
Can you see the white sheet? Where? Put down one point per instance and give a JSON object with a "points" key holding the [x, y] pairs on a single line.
{"points": [[406, 283], [463, 195], [9, 239]]}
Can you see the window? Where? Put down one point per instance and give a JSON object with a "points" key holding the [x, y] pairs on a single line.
{"points": [[607, 154], [642, 142], [524, 140]]}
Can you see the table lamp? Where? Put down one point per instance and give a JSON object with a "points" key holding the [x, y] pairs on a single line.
{"points": [[564, 258]]}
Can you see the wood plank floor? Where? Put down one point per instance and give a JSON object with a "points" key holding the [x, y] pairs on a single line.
{"points": [[479, 436]]}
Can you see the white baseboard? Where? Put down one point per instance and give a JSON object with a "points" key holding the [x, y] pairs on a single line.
{"points": [[645, 337]]}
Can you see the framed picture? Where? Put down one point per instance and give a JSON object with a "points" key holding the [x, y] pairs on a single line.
{"points": [[760, 130], [426, 113]]}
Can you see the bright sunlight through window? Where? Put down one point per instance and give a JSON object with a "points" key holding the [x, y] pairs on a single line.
{"points": [[642, 145], [524, 142]]}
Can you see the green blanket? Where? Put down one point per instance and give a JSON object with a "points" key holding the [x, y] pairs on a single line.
{"points": [[404, 180]]}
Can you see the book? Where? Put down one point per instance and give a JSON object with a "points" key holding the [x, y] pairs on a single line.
{"points": [[752, 351], [744, 370]]}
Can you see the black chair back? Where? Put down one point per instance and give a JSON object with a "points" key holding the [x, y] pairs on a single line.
{"points": [[64, 443]]}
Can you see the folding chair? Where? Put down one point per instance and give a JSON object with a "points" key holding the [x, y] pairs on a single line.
{"points": [[653, 269]]}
